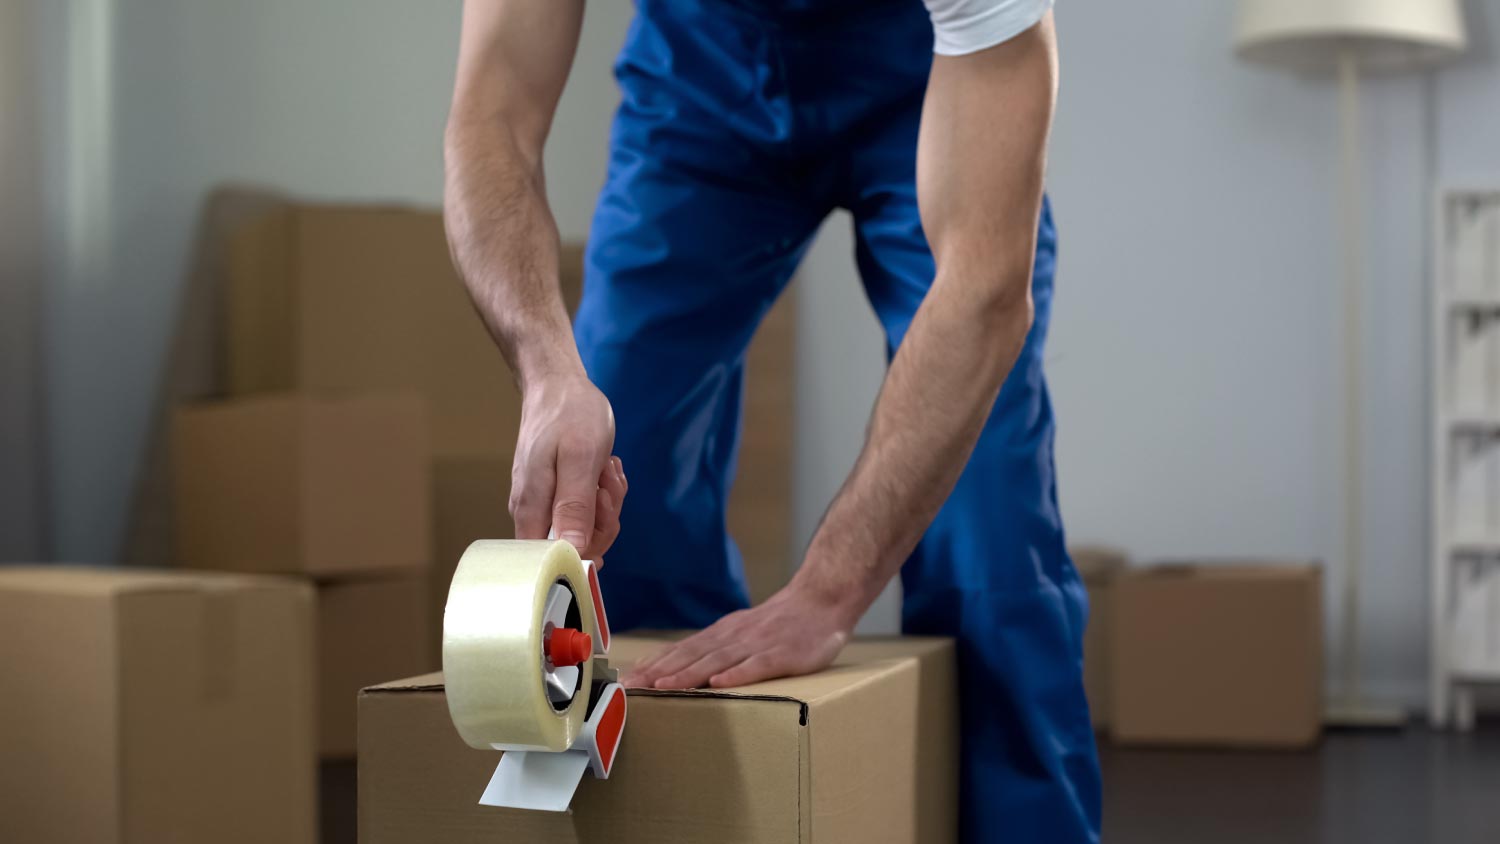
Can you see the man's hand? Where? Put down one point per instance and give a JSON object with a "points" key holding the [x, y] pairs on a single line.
{"points": [[796, 631], [564, 479]]}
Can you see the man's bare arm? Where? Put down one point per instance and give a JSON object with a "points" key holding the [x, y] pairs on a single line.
{"points": [[980, 166], [514, 57]]}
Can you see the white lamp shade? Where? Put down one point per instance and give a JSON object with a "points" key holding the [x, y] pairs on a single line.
{"points": [[1383, 34]]}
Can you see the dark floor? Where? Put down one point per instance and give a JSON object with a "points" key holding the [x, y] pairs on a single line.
{"points": [[1410, 787]]}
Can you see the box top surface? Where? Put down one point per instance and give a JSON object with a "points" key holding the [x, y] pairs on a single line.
{"points": [[863, 661], [103, 581]]}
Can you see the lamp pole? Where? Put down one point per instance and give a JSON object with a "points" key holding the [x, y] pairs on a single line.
{"points": [[1351, 267]]}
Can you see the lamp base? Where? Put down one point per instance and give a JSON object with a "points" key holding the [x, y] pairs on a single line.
{"points": [[1363, 715]]}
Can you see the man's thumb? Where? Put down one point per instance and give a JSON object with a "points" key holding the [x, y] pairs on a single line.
{"points": [[573, 518]]}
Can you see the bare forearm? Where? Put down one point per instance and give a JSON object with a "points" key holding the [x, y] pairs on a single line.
{"points": [[513, 61], [979, 182], [936, 398], [505, 244]]}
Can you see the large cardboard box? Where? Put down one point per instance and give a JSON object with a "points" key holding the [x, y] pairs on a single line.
{"points": [[1218, 655], [155, 708], [865, 751], [368, 631], [360, 299], [1098, 566], [326, 487]]}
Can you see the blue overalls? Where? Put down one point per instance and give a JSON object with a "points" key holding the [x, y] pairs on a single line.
{"points": [[743, 124]]}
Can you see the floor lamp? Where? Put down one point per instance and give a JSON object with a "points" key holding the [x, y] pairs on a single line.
{"points": [[1351, 37]]}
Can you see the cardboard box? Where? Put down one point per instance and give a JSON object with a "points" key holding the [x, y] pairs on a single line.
{"points": [[368, 631], [1098, 566], [865, 751], [1218, 655], [155, 708], [361, 299], [325, 487]]}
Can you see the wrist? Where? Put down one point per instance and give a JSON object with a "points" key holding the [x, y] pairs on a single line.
{"points": [[842, 589], [542, 361]]}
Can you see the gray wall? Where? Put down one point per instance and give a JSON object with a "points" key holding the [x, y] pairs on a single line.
{"points": [[1193, 359], [28, 37]]}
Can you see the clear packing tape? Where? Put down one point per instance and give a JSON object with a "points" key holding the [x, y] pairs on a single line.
{"points": [[494, 629]]}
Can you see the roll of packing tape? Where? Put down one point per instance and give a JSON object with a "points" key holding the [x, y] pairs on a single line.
{"points": [[494, 627]]}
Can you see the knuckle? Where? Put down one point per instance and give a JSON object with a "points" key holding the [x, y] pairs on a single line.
{"points": [[571, 508]]}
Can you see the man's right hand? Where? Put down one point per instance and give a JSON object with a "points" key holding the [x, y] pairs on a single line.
{"points": [[564, 480]]}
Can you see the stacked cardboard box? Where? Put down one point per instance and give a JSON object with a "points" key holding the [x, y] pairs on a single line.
{"points": [[145, 707], [343, 299], [864, 751], [333, 490]]}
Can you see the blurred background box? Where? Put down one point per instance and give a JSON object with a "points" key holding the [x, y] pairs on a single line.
{"points": [[322, 487], [1227, 654], [760, 502], [144, 707], [368, 631], [1098, 566], [349, 299], [866, 751]]}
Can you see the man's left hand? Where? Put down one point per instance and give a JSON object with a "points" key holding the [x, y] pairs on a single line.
{"points": [[794, 632]]}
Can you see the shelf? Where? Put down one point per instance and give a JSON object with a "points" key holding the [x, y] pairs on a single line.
{"points": [[1465, 327]]}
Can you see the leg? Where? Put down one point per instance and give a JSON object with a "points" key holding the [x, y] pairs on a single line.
{"points": [[993, 570], [691, 243]]}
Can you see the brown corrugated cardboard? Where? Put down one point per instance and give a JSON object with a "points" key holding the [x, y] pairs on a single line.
{"points": [[1098, 566], [1226, 654], [151, 707], [351, 299], [368, 631], [865, 751], [327, 487]]}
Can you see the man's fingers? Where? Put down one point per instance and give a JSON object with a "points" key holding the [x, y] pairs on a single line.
{"points": [[708, 665], [578, 467], [640, 674], [765, 665], [683, 654], [531, 489], [613, 479], [606, 525]]}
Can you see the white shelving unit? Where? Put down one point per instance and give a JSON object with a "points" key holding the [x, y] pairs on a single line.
{"points": [[1465, 636]]}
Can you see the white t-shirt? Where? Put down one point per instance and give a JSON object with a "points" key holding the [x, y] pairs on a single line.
{"points": [[968, 26]]}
